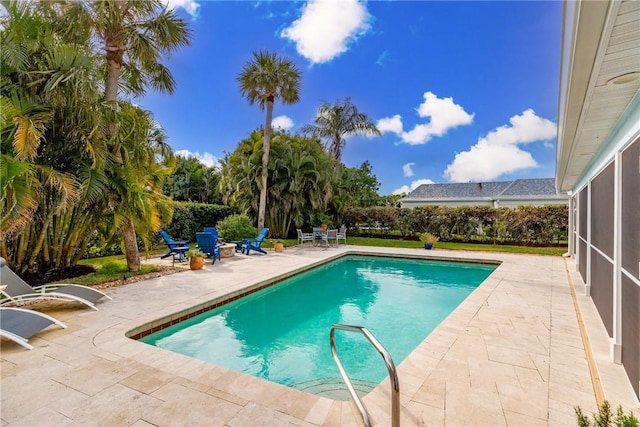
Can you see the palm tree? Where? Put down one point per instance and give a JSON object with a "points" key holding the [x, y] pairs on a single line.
{"points": [[240, 174], [264, 80], [39, 78], [334, 123], [300, 174], [137, 184], [300, 182], [135, 34]]}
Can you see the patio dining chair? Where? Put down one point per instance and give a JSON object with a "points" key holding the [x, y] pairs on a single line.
{"points": [[317, 234], [331, 236], [304, 237], [342, 234]]}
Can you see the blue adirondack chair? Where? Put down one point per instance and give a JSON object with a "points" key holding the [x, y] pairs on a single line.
{"points": [[213, 231], [176, 247], [208, 245], [254, 244]]}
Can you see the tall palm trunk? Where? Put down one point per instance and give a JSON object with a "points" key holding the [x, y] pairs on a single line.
{"points": [[131, 245], [336, 152], [114, 58], [114, 63], [265, 164]]}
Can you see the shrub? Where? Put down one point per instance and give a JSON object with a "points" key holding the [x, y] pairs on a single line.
{"points": [[604, 417], [428, 238], [532, 225], [194, 253], [236, 227], [100, 247], [319, 218]]}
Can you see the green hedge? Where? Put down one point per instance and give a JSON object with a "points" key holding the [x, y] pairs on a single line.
{"points": [[189, 217], [522, 225]]}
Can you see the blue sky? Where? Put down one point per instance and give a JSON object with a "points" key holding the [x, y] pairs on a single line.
{"points": [[463, 91]]}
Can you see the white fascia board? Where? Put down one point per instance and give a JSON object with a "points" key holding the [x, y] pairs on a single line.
{"points": [[583, 28], [624, 133]]}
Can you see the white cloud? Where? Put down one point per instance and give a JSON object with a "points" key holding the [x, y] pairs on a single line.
{"points": [[282, 122], [443, 115], [190, 6], [326, 27], [382, 58], [498, 152], [390, 124], [406, 189], [408, 172], [208, 159]]}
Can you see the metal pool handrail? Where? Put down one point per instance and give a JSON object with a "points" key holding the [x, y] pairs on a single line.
{"points": [[391, 367]]}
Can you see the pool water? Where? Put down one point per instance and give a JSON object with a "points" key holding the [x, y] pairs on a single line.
{"points": [[282, 332]]}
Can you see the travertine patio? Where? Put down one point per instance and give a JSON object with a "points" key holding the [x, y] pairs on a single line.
{"points": [[511, 354]]}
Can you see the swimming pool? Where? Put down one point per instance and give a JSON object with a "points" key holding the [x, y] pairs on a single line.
{"points": [[281, 333]]}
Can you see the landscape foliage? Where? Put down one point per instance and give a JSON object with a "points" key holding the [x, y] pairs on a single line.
{"points": [[522, 225], [85, 173], [605, 418], [236, 227]]}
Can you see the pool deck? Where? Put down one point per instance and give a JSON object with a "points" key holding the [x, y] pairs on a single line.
{"points": [[510, 354]]}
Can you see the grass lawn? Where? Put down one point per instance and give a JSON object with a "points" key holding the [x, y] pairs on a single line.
{"points": [[110, 268], [115, 267], [372, 241]]}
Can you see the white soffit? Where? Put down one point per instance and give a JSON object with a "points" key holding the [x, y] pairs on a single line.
{"points": [[588, 124]]}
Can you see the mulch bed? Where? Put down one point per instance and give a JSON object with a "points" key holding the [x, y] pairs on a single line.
{"points": [[57, 274], [63, 274]]}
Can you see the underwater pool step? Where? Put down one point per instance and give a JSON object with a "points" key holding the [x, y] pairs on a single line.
{"points": [[334, 388]]}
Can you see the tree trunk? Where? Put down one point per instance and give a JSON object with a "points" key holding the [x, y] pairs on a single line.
{"points": [[131, 246], [336, 149], [265, 165], [114, 58], [114, 63], [113, 75]]}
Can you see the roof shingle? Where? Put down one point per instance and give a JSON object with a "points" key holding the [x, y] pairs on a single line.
{"points": [[484, 190]]}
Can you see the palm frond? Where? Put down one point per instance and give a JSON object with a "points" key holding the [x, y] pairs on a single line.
{"points": [[19, 197], [268, 77], [334, 123]]}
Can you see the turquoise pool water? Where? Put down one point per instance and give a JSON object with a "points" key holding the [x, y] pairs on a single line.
{"points": [[282, 332]]}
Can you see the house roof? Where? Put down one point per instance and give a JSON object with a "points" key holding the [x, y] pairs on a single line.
{"points": [[520, 188], [532, 187]]}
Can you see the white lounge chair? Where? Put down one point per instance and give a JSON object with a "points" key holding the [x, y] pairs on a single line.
{"points": [[19, 324], [17, 290]]}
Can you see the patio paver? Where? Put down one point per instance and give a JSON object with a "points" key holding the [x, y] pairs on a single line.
{"points": [[511, 354]]}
